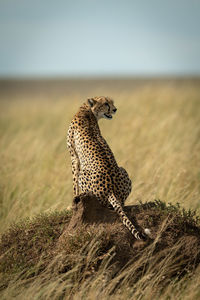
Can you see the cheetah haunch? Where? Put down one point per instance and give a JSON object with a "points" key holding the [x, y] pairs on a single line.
{"points": [[94, 167]]}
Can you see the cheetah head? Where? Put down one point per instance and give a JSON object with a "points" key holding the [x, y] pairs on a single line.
{"points": [[102, 107]]}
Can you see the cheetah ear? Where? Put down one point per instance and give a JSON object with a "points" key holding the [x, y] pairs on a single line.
{"points": [[91, 102]]}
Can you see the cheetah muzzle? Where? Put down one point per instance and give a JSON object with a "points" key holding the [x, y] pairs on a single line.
{"points": [[108, 116]]}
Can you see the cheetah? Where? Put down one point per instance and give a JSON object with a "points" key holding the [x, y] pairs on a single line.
{"points": [[94, 167]]}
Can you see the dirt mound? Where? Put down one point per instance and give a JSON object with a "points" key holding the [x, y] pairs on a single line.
{"points": [[90, 240], [171, 229]]}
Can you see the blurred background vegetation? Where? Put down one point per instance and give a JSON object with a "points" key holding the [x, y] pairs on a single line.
{"points": [[155, 135]]}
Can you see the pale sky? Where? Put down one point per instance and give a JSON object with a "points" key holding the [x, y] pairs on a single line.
{"points": [[99, 37]]}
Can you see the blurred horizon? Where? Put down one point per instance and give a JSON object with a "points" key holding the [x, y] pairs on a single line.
{"points": [[99, 39], [98, 77]]}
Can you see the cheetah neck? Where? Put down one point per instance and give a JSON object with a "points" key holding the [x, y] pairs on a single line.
{"points": [[86, 112], [88, 119]]}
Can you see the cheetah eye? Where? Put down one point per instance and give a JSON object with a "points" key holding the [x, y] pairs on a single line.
{"points": [[107, 104]]}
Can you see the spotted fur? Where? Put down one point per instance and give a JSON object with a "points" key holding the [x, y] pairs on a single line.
{"points": [[94, 167]]}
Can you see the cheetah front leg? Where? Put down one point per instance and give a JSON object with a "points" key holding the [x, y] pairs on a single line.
{"points": [[75, 173], [75, 163]]}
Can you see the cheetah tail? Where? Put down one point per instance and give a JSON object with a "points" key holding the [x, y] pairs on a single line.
{"points": [[125, 220]]}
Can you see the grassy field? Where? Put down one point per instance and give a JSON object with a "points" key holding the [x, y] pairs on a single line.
{"points": [[155, 135]]}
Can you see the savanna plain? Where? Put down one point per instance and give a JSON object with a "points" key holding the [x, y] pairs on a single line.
{"points": [[155, 136]]}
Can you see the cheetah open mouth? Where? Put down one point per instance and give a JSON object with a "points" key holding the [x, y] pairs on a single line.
{"points": [[108, 116]]}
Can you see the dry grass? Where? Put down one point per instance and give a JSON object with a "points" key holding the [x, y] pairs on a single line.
{"points": [[103, 259], [100, 261], [155, 135]]}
